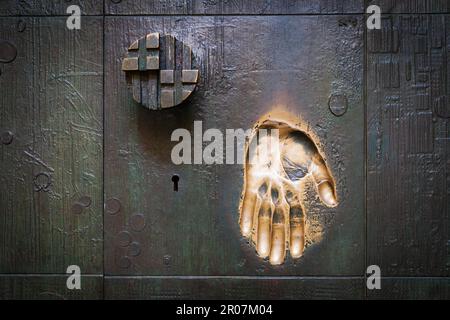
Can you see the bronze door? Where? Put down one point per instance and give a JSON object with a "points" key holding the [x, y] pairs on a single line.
{"points": [[88, 178]]}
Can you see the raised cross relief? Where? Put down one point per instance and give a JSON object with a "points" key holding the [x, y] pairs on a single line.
{"points": [[160, 72]]}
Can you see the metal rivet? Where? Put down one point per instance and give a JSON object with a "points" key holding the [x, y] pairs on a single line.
{"points": [[42, 181], [112, 206], [124, 238], [124, 262], [77, 208], [137, 222], [85, 201], [21, 26], [338, 104], [135, 249], [441, 107], [8, 51], [7, 137]]}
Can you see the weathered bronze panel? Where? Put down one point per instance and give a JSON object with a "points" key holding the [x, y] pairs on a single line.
{"points": [[237, 7], [49, 287], [409, 146], [375, 103], [414, 6], [413, 288], [48, 7], [233, 288], [51, 157], [195, 230]]}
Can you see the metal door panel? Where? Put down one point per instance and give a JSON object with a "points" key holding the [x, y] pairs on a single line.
{"points": [[414, 6], [248, 64], [239, 7], [48, 287], [413, 288], [48, 7], [244, 288], [408, 146], [253, 56], [52, 110]]}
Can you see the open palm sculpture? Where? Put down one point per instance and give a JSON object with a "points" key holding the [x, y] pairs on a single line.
{"points": [[278, 157]]}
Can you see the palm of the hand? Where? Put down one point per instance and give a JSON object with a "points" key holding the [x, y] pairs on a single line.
{"points": [[278, 158]]}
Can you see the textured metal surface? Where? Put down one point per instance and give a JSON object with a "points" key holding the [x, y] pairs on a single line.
{"points": [[412, 288], [413, 6], [51, 134], [408, 182], [240, 80], [48, 7], [233, 288], [49, 287], [238, 7], [51, 156]]}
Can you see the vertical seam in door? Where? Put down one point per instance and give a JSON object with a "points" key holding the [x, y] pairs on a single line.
{"points": [[103, 150], [365, 71]]}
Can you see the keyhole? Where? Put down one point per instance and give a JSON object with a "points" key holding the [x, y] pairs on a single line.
{"points": [[175, 179]]}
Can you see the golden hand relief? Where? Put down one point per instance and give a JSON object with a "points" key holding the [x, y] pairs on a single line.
{"points": [[279, 157]]}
